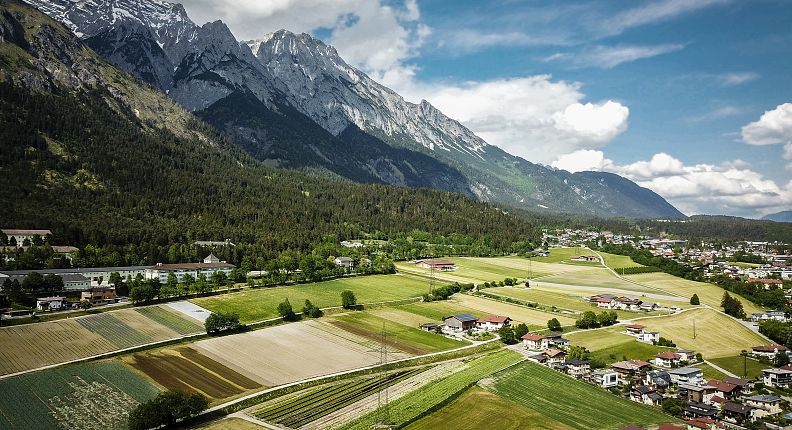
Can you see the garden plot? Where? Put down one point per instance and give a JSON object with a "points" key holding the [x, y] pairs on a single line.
{"points": [[174, 320], [292, 352], [88, 396]]}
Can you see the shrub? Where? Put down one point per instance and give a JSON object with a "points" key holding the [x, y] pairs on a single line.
{"points": [[348, 300], [285, 311]]}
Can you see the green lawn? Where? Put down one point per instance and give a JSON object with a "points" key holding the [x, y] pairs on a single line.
{"points": [[413, 405], [561, 300], [630, 349], [436, 311], [738, 366], [262, 303], [609, 345], [65, 397], [709, 294], [481, 409], [407, 338], [571, 402], [710, 372], [615, 261]]}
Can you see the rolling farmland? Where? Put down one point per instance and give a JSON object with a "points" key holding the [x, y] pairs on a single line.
{"points": [[95, 395], [709, 294], [519, 314], [531, 385], [413, 405], [488, 269], [31, 346], [262, 303]]}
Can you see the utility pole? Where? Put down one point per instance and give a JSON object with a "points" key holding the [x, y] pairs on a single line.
{"points": [[383, 412], [694, 329]]}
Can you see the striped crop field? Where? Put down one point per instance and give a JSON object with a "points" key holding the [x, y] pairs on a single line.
{"points": [[303, 409], [96, 395], [173, 320]]}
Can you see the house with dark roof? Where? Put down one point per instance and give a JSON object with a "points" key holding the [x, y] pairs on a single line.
{"points": [[646, 395], [700, 410], [724, 389], [460, 322], [660, 379], [765, 404], [738, 413], [696, 392]]}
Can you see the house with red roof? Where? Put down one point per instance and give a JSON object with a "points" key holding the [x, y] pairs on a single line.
{"points": [[493, 322], [535, 342], [667, 359], [768, 351]]}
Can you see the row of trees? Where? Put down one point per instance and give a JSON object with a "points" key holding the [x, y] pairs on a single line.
{"points": [[589, 319]]}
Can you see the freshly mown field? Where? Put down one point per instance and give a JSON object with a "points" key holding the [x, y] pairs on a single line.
{"points": [[96, 395], [597, 277], [172, 320], [297, 411], [709, 294], [406, 338], [31, 346], [481, 409], [717, 335], [414, 405], [437, 311], [749, 367], [610, 346], [519, 314], [489, 269], [291, 352], [571, 402], [563, 255], [185, 369], [615, 261], [262, 303]]}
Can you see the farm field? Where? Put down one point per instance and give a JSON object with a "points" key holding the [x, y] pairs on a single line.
{"points": [[412, 405], [519, 314], [405, 338], [734, 364], [609, 345], [597, 277], [717, 335], [231, 424], [479, 409], [31, 346], [185, 369], [172, 319], [615, 261], [436, 311], [291, 352], [488, 269], [96, 395], [297, 411], [262, 303], [709, 294], [528, 384], [563, 255], [655, 296]]}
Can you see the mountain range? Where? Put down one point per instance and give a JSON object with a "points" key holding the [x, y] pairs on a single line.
{"points": [[291, 101], [783, 216]]}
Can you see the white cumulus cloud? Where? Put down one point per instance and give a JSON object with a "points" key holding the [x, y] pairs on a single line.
{"points": [[773, 127]]}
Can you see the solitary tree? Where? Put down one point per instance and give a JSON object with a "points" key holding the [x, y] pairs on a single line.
{"points": [[507, 335], [553, 324], [695, 300], [520, 330], [780, 359], [348, 300], [217, 322], [286, 312]]}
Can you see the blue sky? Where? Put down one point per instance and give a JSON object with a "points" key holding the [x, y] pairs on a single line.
{"points": [[659, 91]]}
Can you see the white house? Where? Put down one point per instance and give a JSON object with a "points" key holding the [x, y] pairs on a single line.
{"points": [[768, 351], [344, 262], [50, 303], [686, 375], [535, 342], [605, 378], [778, 378], [667, 359], [492, 322], [648, 336], [765, 404], [209, 266]]}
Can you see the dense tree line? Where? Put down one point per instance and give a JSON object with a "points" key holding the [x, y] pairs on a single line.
{"points": [[96, 176], [166, 409], [772, 297]]}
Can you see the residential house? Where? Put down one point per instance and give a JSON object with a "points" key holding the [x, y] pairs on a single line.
{"points": [[586, 258], [649, 337], [765, 404], [460, 322], [667, 359], [700, 410], [607, 301], [724, 389], [50, 303], [686, 354], [698, 393], [99, 296], [686, 375], [554, 356], [535, 342], [20, 235], [577, 368], [767, 283], [605, 378], [659, 379], [440, 265], [768, 351], [492, 322], [703, 424], [345, 262], [555, 339], [635, 329], [777, 378], [737, 413], [769, 315], [628, 304], [646, 395], [630, 369], [743, 384]]}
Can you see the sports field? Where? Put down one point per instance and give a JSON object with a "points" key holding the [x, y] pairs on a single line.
{"points": [[262, 303], [717, 335], [481, 409], [32, 346], [292, 352], [185, 369], [571, 402], [96, 395], [709, 294]]}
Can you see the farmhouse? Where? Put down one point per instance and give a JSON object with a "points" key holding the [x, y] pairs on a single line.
{"points": [[20, 235], [345, 262], [686, 375], [667, 359], [535, 342], [777, 378], [441, 265], [768, 351], [603, 300], [50, 303], [492, 322], [605, 378], [460, 322], [210, 265]]}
